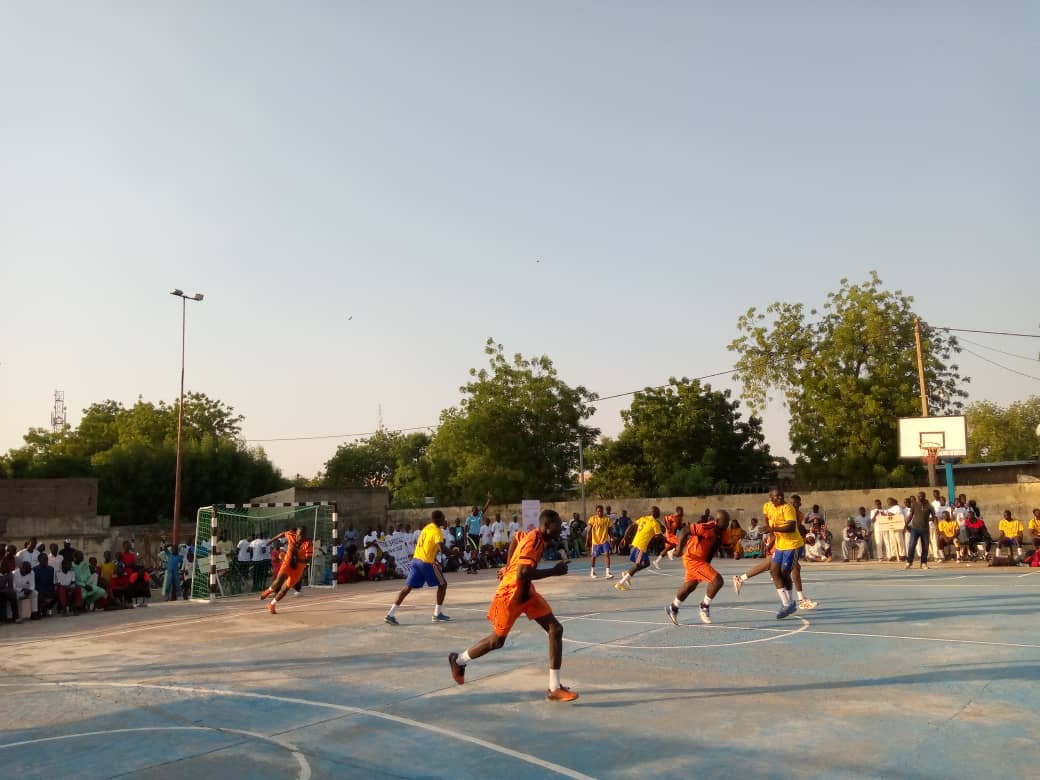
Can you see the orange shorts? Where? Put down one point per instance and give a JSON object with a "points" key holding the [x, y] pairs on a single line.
{"points": [[293, 573], [505, 610], [698, 570], [671, 539]]}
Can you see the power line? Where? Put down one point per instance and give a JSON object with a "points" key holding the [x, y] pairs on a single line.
{"points": [[430, 427], [1002, 352], [988, 332], [999, 365]]}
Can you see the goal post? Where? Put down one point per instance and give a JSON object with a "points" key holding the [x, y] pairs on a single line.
{"points": [[221, 527]]}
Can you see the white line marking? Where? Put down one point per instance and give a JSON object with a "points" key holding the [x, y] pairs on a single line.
{"points": [[526, 757], [923, 639], [1020, 576], [305, 767]]}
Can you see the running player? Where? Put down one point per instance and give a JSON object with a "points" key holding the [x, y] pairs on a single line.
{"points": [[293, 564], [516, 596], [641, 533], [425, 569], [697, 546], [782, 519], [597, 539], [673, 526]]}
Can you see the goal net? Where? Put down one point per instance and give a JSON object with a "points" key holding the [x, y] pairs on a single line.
{"points": [[256, 524]]}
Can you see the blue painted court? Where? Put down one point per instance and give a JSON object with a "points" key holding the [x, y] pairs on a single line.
{"points": [[909, 674]]}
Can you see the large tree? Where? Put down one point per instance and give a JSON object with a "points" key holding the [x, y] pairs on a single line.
{"points": [[516, 432], [388, 459], [681, 439], [846, 373], [998, 433]]}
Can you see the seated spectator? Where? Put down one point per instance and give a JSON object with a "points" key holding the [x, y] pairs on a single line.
{"points": [[469, 560], [9, 563], [854, 545], [24, 582], [731, 539], [816, 549], [754, 530], [1010, 536], [29, 552], [44, 572], [346, 572], [577, 541], [70, 597], [977, 534], [91, 592], [1034, 529], [8, 598], [96, 581], [377, 571], [118, 586], [108, 566], [949, 547], [371, 545]]}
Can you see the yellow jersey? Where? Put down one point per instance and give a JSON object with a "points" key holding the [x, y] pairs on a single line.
{"points": [[600, 528], [1034, 526], [647, 527], [778, 516], [429, 543], [1011, 528], [949, 528]]}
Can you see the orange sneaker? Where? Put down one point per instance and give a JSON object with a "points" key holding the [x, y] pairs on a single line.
{"points": [[265, 594], [458, 673], [271, 608], [561, 694]]}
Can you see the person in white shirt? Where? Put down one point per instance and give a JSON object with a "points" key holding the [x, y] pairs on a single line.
{"points": [[866, 524], [487, 535], [261, 558], [498, 533], [245, 555], [881, 550], [24, 581], [371, 544], [514, 526], [30, 553], [415, 536]]}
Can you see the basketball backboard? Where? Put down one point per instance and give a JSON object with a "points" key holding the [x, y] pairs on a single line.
{"points": [[947, 435]]}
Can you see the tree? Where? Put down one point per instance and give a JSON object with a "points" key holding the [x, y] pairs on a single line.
{"points": [[682, 439], [998, 433], [516, 432], [388, 459], [846, 374]]}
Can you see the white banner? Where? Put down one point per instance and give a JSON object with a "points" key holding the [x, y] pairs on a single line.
{"points": [[529, 511], [401, 547]]}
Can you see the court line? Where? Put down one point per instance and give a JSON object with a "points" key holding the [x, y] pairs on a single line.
{"points": [[1020, 576], [305, 767], [923, 639], [415, 724]]}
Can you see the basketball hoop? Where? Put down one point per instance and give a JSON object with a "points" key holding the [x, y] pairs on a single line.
{"points": [[930, 456]]}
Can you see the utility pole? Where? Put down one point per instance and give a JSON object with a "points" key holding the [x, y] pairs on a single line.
{"points": [[581, 473], [924, 392]]}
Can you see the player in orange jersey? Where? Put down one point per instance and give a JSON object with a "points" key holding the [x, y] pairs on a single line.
{"points": [[698, 546], [673, 527], [516, 596], [293, 564]]}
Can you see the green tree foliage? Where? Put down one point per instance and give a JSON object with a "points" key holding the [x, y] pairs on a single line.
{"points": [[515, 433], [388, 459], [846, 374], [680, 440], [133, 453], [998, 433]]}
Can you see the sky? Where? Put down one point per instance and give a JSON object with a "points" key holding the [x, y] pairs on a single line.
{"points": [[365, 192]]}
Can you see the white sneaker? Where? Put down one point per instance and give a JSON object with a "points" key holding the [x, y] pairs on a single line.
{"points": [[806, 604], [924, 565], [737, 584], [608, 575], [592, 573], [671, 555], [706, 614], [655, 564]]}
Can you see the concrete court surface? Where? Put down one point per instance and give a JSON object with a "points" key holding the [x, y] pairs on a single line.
{"points": [[897, 674]]}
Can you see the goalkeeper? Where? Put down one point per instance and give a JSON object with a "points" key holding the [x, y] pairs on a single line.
{"points": [[294, 564]]}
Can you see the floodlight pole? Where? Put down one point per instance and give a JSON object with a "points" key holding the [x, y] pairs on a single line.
{"points": [[581, 473], [924, 394], [180, 418]]}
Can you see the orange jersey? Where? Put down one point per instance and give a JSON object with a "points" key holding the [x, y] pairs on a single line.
{"points": [[702, 543], [505, 609], [672, 524], [528, 551], [306, 550]]}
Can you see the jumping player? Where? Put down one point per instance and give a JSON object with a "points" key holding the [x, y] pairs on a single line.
{"points": [[641, 533], [293, 564], [673, 527], [516, 596], [697, 546], [425, 569], [597, 539]]}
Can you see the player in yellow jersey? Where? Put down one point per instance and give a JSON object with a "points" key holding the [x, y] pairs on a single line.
{"points": [[769, 542], [642, 533], [516, 596], [597, 539], [425, 569], [782, 519]]}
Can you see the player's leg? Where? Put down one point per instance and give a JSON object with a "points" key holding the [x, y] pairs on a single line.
{"points": [[759, 568], [554, 629], [672, 610], [502, 613], [640, 560], [438, 614], [389, 618], [274, 586], [796, 577], [606, 554], [781, 581], [592, 563]]}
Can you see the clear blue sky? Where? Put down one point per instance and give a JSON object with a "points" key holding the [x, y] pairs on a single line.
{"points": [[405, 164]]}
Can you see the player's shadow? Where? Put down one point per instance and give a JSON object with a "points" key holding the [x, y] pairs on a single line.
{"points": [[942, 675]]}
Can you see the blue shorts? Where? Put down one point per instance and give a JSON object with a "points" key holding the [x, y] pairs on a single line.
{"points": [[601, 549], [801, 552], [785, 558], [638, 557], [423, 573]]}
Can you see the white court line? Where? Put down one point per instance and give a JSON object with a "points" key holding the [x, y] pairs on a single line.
{"points": [[923, 639], [1020, 576], [305, 767], [415, 724]]}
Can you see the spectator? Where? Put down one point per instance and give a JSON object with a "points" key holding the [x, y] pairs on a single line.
{"points": [[1010, 531], [948, 545], [731, 540], [108, 567], [1034, 529], [458, 532], [8, 598], [24, 582], [499, 537], [577, 530], [622, 525], [346, 572], [754, 531], [372, 548], [514, 526], [44, 572], [865, 523], [29, 553], [128, 556], [260, 560], [172, 582], [55, 557], [977, 534], [881, 550], [487, 534], [854, 545], [243, 554], [91, 592], [475, 521], [9, 562], [815, 550], [921, 516], [70, 596]]}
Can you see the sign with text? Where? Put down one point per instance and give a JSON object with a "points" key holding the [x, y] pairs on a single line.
{"points": [[529, 511]]}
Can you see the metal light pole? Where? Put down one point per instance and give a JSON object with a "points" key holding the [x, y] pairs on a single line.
{"points": [[180, 417], [581, 471]]}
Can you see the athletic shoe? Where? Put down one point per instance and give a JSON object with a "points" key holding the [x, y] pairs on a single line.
{"points": [[924, 565], [655, 564], [561, 694], [608, 576], [391, 620], [908, 566], [592, 574], [297, 592], [622, 585], [265, 594], [806, 604], [737, 584], [671, 555], [672, 613], [272, 609], [706, 614], [441, 618], [786, 611], [458, 673]]}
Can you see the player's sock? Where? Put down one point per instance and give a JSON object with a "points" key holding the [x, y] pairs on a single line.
{"points": [[705, 601], [554, 679], [790, 596], [785, 599], [436, 609], [744, 577], [625, 578], [393, 609], [463, 659], [676, 603], [608, 571], [801, 596]]}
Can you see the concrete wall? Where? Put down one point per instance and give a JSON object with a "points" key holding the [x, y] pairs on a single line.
{"points": [[358, 508], [836, 505], [48, 497]]}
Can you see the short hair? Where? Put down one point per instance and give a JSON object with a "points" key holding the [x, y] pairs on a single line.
{"points": [[437, 515], [548, 516]]}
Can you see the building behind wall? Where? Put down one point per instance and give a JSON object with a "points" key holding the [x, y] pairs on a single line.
{"points": [[52, 510], [360, 508]]}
